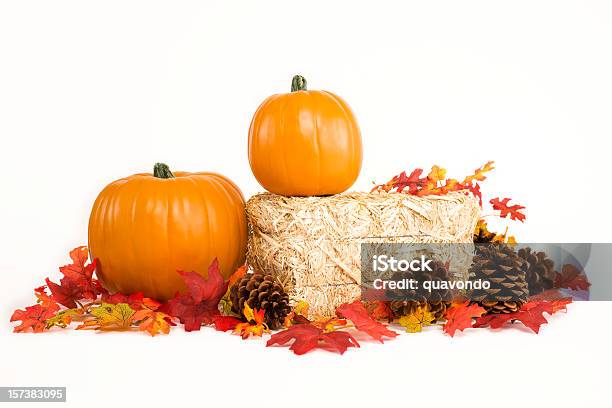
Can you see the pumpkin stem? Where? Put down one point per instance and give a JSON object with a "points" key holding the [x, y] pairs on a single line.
{"points": [[298, 83], [161, 170]]}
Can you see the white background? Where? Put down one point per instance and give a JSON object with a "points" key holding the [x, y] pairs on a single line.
{"points": [[94, 91]]}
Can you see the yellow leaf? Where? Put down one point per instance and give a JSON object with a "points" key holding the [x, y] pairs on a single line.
{"points": [[248, 312], [415, 321], [301, 308], [110, 317], [436, 174]]}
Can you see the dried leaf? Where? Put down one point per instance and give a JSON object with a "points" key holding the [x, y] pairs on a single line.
{"points": [[35, 317], [459, 316], [530, 315], [78, 282], [514, 211], [225, 323], [201, 303], [109, 317], [360, 317], [254, 325], [149, 319], [415, 321], [571, 277], [308, 336]]}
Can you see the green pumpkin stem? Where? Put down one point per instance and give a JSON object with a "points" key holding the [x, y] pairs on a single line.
{"points": [[298, 83], [161, 170]]}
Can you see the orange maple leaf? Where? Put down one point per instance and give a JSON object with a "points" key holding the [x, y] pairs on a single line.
{"points": [[459, 316], [514, 211], [151, 320], [254, 325]]}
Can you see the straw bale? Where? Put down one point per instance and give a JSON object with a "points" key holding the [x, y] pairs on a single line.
{"points": [[312, 244]]}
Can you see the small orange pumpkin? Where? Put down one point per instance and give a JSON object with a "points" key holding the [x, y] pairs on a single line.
{"points": [[145, 227], [305, 143]]}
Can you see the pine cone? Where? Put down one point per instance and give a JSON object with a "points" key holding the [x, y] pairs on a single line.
{"points": [[540, 270], [501, 266], [435, 301], [261, 291]]}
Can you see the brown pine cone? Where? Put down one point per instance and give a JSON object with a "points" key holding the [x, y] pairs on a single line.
{"points": [[261, 291], [540, 270], [501, 266], [404, 302]]}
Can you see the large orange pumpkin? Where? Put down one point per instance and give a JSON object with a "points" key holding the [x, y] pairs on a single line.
{"points": [[305, 143], [145, 227]]}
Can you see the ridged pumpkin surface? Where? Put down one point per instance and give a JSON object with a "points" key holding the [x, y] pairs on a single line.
{"points": [[305, 143], [144, 228]]}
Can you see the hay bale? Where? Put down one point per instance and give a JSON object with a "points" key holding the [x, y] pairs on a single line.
{"points": [[312, 244]]}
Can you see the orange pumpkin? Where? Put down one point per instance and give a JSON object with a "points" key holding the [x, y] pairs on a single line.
{"points": [[145, 227], [305, 143]]}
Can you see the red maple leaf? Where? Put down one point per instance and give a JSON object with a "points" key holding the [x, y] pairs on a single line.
{"points": [[360, 317], [225, 323], [136, 300], [34, 317], [380, 310], [78, 282], [531, 315], [513, 210], [308, 336], [571, 277], [460, 315], [201, 303]]}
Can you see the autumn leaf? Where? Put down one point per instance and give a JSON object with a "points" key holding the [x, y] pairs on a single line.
{"points": [[78, 282], [435, 183], [298, 315], [254, 325], [530, 315], [459, 316], [436, 174], [109, 317], [225, 323], [415, 321], [149, 319], [380, 310], [135, 300], [201, 303], [514, 211], [479, 173], [35, 317], [64, 318], [571, 277], [306, 337], [357, 313]]}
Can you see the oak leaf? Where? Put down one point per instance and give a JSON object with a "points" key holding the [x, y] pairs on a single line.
{"points": [[459, 316], [358, 314], [571, 277], [35, 317], [201, 302], [306, 337], [514, 211]]}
